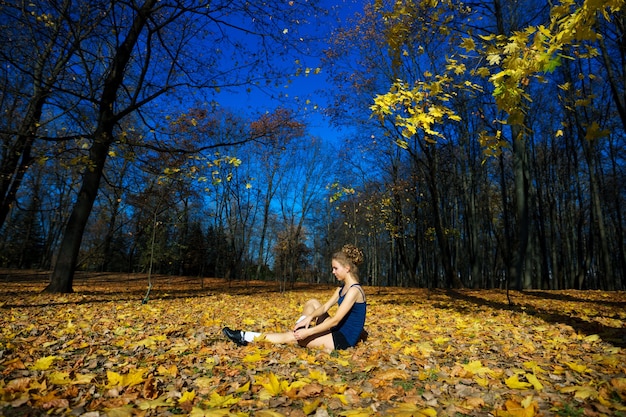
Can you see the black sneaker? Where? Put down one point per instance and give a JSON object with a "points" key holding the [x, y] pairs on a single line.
{"points": [[234, 335]]}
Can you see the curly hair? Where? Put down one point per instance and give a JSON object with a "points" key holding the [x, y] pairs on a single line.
{"points": [[350, 256]]}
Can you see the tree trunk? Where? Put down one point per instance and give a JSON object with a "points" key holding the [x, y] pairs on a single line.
{"points": [[14, 166], [522, 221], [605, 271], [451, 278], [62, 276], [266, 216]]}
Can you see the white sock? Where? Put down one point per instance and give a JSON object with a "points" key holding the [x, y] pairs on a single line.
{"points": [[302, 317], [250, 336]]}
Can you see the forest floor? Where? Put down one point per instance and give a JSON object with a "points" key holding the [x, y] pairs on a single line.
{"points": [[102, 352]]}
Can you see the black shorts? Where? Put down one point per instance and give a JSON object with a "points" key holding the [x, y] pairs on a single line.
{"points": [[340, 341]]}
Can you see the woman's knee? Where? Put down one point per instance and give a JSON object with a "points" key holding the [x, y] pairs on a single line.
{"points": [[310, 306]]}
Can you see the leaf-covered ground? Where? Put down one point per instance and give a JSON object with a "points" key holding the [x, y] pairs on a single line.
{"points": [[101, 352]]}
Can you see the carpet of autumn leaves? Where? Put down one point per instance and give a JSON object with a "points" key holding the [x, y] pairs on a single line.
{"points": [[102, 352]]}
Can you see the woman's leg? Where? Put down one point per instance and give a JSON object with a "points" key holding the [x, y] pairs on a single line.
{"points": [[322, 341], [287, 337], [318, 341], [310, 306], [325, 340]]}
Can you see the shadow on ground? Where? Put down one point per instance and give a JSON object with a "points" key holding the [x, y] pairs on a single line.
{"points": [[25, 288], [539, 304]]}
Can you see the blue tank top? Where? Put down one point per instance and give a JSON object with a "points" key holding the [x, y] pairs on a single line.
{"points": [[352, 324]]}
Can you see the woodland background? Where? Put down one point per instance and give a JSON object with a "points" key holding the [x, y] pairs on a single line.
{"points": [[483, 142]]}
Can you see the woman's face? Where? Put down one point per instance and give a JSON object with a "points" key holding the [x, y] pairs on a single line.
{"points": [[339, 271]]}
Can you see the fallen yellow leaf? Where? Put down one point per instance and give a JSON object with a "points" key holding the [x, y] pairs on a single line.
{"points": [[44, 364], [533, 380], [477, 368], [59, 378], [268, 413], [577, 367], [212, 412], [581, 391], [412, 410], [188, 396], [515, 409], [514, 382], [218, 401], [310, 406], [132, 378], [358, 412], [152, 404]]}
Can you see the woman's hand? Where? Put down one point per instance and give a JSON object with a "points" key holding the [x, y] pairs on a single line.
{"points": [[302, 333], [305, 322]]}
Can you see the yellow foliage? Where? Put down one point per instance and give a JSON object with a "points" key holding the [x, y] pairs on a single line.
{"points": [[128, 380], [582, 392], [153, 404], [514, 382], [357, 412], [533, 380], [580, 368], [218, 401], [411, 410], [44, 364], [188, 396], [477, 368], [404, 368], [516, 409], [310, 406]]}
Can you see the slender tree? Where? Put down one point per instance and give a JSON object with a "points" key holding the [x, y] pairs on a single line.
{"points": [[145, 61]]}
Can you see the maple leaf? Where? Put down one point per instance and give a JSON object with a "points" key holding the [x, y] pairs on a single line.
{"points": [[244, 388], [468, 44], [341, 398], [440, 340], [514, 382], [473, 402], [318, 375], [212, 412], [533, 380], [310, 406], [357, 412], [411, 410], [255, 357], [171, 371], [619, 384], [533, 366], [149, 342], [188, 396], [477, 368], [273, 387], [132, 378], [391, 374], [515, 409], [218, 401], [494, 59], [59, 378], [153, 404], [204, 383], [580, 368], [268, 413], [581, 391], [594, 132], [43, 364], [125, 411]]}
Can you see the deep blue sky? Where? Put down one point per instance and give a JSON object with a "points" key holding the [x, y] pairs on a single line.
{"points": [[303, 93]]}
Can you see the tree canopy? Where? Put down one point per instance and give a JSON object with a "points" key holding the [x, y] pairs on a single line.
{"points": [[483, 143]]}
